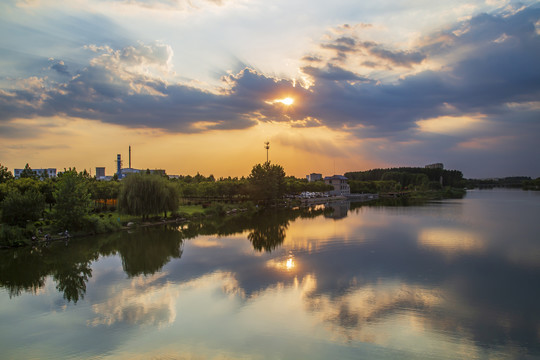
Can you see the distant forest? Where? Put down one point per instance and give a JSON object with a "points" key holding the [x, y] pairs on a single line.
{"points": [[422, 178], [411, 176]]}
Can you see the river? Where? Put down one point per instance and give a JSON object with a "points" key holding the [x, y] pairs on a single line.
{"points": [[443, 280]]}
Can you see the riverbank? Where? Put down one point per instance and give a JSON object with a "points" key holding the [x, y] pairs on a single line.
{"points": [[113, 221]]}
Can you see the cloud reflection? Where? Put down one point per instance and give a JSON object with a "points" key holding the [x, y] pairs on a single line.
{"points": [[145, 301], [451, 241]]}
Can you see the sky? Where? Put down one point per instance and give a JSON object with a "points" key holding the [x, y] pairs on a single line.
{"points": [[200, 85]]}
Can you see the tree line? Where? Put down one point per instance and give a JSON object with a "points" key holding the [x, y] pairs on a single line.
{"points": [[75, 201], [407, 177]]}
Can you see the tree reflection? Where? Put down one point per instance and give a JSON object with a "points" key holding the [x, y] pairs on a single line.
{"points": [[269, 231], [267, 238], [148, 250], [22, 270], [142, 252], [71, 279]]}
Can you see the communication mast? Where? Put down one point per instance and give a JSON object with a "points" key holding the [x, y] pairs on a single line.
{"points": [[267, 146]]}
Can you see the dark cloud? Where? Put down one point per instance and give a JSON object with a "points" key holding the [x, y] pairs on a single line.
{"points": [[333, 73], [309, 58], [398, 58], [491, 60], [60, 68], [499, 67]]}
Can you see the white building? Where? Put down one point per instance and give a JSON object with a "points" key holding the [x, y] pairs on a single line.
{"points": [[41, 173], [339, 182]]}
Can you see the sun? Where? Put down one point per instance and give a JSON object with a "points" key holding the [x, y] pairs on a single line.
{"points": [[287, 101]]}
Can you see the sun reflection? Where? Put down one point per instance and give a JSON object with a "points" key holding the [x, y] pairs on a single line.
{"points": [[282, 265], [290, 264]]}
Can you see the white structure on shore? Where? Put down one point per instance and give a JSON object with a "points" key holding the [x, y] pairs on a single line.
{"points": [[339, 182]]}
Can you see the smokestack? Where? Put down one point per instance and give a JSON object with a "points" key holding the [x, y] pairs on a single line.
{"points": [[119, 166], [130, 156]]}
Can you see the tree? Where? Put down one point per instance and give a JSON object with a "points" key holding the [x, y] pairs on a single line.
{"points": [[145, 195], [17, 208], [28, 173], [5, 174], [267, 182], [73, 202]]}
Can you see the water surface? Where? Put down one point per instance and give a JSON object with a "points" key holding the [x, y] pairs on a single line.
{"points": [[444, 280]]}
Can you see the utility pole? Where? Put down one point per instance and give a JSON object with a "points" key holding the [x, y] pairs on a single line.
{"points": [[267, 146]]}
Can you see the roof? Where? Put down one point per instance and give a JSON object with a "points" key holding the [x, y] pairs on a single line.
{"points": [[335, 177]]}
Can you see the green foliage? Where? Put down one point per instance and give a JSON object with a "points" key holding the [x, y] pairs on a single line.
{"points": [[297, 186], [5, 174], [531, 184], [28, 173], [14, 235], [104, 190], [267, 182], [145, 195], [19, 208], [407, 176], [73, 202], [47, 188], [101, 224], [24, 184]]}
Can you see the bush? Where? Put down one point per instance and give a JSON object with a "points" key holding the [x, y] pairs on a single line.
{"points": [[100, 225], [17, 208], [15, 236], [215, 210]]}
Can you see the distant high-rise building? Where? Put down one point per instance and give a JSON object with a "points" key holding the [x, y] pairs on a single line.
{"points": [[435, 166], [100, 172], [313, 177]]}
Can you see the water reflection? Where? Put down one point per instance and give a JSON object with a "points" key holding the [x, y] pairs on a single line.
{"points": [[142, 252], [378, 283], [146, 301], [451, 241]]}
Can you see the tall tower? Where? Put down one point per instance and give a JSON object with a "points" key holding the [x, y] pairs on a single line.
{"points": [[267, 146], [130, 156], [119, 166]]}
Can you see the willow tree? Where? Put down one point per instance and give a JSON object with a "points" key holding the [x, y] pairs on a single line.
{"points": [[146, 194]]}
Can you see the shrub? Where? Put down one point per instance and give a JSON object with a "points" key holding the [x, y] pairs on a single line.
{"points": [[101, 225]]}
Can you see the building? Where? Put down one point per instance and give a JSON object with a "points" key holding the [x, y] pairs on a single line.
{"points": [[41, 173], [435, 166], [339, 182], [129, 171], [100, 172], [313, 177]]}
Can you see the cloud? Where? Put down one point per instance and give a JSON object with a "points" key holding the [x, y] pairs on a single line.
{"points": [[332, 73], [397, 57], [480, 70], [61, 68]]}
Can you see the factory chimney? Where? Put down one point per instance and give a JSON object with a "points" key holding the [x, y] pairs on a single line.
{"points": [[130, 156], [119, 166]]}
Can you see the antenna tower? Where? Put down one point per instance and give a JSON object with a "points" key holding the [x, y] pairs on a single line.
{"points": [[267, 146]]}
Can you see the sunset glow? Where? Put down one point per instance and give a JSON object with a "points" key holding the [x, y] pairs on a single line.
{"points": [[287, 101], [395, 85]]}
